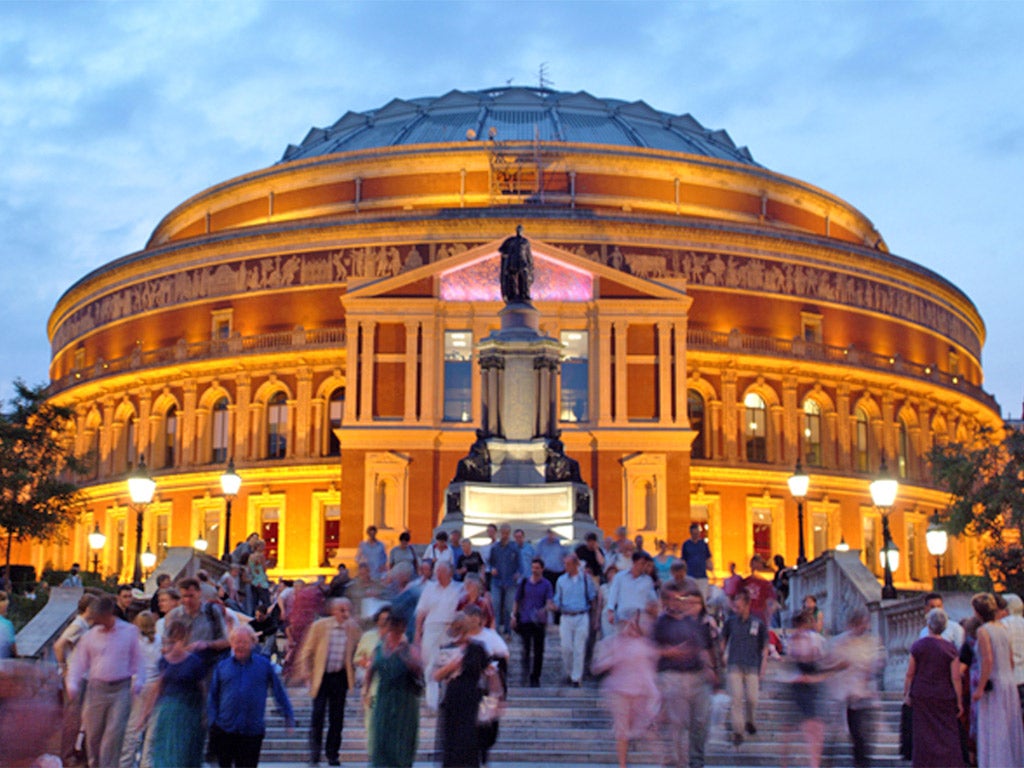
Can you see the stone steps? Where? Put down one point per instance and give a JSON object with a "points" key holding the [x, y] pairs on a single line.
{"points": [[555, 724]]}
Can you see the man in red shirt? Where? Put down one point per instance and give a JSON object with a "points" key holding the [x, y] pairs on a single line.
{"points": [[762, 595]]}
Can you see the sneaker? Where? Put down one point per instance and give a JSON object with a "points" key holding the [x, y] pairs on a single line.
{"points": [[737, 739], [751, 729]]}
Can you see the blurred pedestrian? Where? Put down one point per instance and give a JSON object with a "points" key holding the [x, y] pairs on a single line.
{"points": [[1000, 733], [135, 732], [457, 717], [630, 689], [856, 656], [746, 652], [806, 656], [177, 729], [395, 681]]}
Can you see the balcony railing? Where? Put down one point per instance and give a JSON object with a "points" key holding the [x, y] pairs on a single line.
{"points": [[698, 340], [183, 351]]}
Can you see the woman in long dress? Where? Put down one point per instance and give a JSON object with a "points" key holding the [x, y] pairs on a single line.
{"points": [[398, 674], [177, 730], [1000, 733], [932, 688], [457, 713]]}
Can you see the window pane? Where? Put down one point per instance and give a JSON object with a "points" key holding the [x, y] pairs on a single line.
{"points": [[277, 426], [812, 433], [695, 412], [170, 436], [575, 376], [219, 434], [335, 414], [332, 532], [756, 427], [458, 375]]}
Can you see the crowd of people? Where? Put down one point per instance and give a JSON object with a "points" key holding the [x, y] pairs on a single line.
{"points": [[187, 679]]}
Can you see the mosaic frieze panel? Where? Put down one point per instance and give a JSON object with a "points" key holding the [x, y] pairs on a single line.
{"points": [[699, 268], [552, 281]]}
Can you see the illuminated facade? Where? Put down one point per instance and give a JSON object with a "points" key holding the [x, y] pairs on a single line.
{"points": [[315, 321]]}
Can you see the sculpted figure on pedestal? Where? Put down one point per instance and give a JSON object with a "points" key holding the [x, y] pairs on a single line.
{"points": [[516, 268]]}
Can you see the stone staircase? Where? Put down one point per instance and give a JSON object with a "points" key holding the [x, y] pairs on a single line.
{"points": [[556, 724]]}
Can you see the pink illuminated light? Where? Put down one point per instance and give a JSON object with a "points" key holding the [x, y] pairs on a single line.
{"points": [[552, 281]]}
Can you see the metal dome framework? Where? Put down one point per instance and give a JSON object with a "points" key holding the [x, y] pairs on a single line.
{"points": [[518, 114]]}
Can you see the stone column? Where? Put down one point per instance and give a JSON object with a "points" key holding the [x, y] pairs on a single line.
{"points": [[187, 424], [843, 427], [105, 459], [243, 394], [369, 328], [303, 411], [682, 417], [604, 371], [665, 415], [543, 372], [621, 372], [791, 437], [730, 416], [412, 328]]}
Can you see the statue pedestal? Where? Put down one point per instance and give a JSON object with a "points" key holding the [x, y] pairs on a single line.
{"points": [[534, 508]]}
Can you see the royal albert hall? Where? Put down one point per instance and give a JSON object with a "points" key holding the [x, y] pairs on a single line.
{"points": [[315, 321]]}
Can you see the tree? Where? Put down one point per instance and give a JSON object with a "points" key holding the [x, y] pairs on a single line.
{"points": [[37, 498], [986, 486]]}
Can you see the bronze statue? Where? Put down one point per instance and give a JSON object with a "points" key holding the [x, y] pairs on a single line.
{"points": [[476, 467], [559, 467], [516, 268]]}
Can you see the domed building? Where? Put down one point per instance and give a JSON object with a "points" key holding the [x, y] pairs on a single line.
{"points": [[315, 321]]}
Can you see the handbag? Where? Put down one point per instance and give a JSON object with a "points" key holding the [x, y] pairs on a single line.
{"points": [[492, 703]]}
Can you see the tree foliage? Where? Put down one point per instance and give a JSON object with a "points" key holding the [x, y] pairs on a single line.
{"points": [[986, 486], [39, 498]]}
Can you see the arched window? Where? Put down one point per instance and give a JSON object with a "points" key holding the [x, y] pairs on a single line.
{"points": [[335, 413], [219, 437], [756, 427], [812, 433], [902, 449], [695, 412], [860, 440], [170, 435], [277, 426]]}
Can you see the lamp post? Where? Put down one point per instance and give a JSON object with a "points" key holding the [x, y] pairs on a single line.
{"points": [[798, 483], [148, 561], [141, 488], [842, 546], [96, 542], [883, 495], [200, 543], [937, 541], [230, 482]]}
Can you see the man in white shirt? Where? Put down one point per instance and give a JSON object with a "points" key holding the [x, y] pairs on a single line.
{"points": [[632, 591], [434, 613], [439, 551], [953, 631], [110, 655]]}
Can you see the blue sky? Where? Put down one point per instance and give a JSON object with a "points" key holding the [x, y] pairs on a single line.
{"points": [[112, 113]]}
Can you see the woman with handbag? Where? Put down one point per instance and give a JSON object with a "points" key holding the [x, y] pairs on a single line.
{"points": [[460, 705]]}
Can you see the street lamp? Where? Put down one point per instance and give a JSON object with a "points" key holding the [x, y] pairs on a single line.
{"points": [[937, 541], [798, 483], [141, 488], [842, 546], [96, 542], [883, 495], [148, 560], [230, 482], [200, 543]]}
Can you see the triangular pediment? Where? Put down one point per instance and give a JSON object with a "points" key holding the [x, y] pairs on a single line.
{"points": [[473, 276]]}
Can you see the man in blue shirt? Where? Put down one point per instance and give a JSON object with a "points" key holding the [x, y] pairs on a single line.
{"points": [[552, 554], [238, 702], [503, 565], [574, 594], [697, 556], [526, 553]]}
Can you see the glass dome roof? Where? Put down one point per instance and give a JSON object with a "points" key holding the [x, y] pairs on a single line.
{"points": [[518, 114]]}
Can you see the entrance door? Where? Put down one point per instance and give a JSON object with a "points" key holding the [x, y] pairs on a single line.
{"points": [[763, 541]]}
